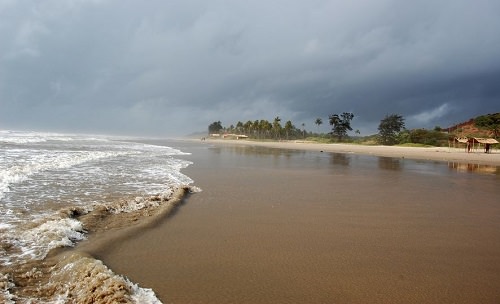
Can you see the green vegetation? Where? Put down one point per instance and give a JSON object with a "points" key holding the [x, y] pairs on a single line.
{"points": [[424, 137], [341, 124], [489, 122], [391, 131], [215, 127]]}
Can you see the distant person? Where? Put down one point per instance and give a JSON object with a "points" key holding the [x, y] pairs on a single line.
{"points": [[468, 147], [487, 148]]}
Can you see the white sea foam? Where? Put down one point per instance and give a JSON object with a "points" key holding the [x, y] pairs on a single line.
{"points": [[16, 137], [19, 169], [5, 226], [141, 202], [143, 295], [35, 243]]}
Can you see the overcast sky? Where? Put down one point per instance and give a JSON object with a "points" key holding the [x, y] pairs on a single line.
{"points": [[164, 68]]}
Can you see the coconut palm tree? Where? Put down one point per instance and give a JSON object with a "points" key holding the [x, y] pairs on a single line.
{"points": [[318, 122], [248, 127], [288, 128], [277, 127]]}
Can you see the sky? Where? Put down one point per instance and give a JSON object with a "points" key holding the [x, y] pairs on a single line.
{"points": [[172, 67]]}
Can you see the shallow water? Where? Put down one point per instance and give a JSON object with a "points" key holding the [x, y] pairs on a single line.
{"points": [[284, 226]]}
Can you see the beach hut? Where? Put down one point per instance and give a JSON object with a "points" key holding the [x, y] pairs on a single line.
{"points": [[486, 142], [458, 142], [474, 143]]}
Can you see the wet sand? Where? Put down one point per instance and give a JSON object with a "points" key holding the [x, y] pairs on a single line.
{"points": [[291, 226], [448, 154]]}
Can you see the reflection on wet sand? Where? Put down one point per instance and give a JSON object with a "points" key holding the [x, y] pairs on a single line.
{"points": [[344, 159], [340, 159], [390, 163], [466, 167]]}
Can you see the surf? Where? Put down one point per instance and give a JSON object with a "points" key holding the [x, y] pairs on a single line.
{"points": [[60, 194]]}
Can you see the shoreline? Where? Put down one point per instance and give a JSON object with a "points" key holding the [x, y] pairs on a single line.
{"points": [[442, 154]]}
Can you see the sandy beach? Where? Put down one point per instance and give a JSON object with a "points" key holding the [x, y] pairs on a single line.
{"points": [[446, 154], [297, 225]]}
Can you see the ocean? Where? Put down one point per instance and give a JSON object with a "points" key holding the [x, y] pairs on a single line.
{"points": [[53, 187]]}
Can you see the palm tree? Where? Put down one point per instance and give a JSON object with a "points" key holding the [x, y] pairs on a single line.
{"points": [[248, 127], [265, 126], [239, 127], [318, 122], [288, 127], [256, 128], [277, 126]]}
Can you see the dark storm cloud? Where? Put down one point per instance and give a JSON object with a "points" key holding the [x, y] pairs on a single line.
{"points": [[163, 68]]}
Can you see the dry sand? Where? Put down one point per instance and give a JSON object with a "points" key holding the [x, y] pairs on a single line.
{"points": [[283, 226]]}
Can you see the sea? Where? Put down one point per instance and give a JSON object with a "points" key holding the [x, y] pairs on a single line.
{"points": [[55, 190]]}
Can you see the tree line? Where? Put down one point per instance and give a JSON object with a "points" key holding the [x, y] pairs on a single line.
{"points": [[264, 129], [340, 123], [391, 129], [261, 129]]}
